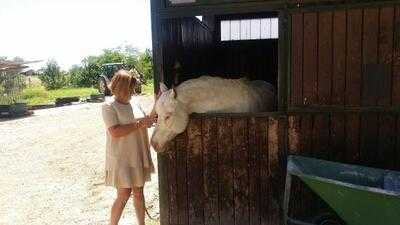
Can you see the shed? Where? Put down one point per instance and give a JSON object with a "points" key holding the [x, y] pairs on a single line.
{"points": [[336, 65]]}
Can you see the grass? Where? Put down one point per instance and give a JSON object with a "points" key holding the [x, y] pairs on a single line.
{"points": [[38, 95]]}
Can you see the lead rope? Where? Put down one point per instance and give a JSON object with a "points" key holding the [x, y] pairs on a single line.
{"points": [[144, 202], [145, 209]]}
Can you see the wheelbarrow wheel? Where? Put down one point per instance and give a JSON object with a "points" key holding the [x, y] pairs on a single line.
{"points": [[327, 219]]}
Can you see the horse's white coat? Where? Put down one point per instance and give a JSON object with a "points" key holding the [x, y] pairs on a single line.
{"points": [[205, 95]]}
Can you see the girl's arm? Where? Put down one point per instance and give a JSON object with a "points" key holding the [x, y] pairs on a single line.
{"points": [[118, 131]]}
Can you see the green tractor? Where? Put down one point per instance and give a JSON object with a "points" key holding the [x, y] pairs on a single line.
{"points": [[108, 71]]}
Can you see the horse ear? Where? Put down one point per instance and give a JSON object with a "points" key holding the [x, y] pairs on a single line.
{"points": [[163, 87], [173, 93]]}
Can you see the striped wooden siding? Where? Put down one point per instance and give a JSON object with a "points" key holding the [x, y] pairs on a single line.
{"points": [[224, 170], [187, 41], [230, 169], [346, 57]]}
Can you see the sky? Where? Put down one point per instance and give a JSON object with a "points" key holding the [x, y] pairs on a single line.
{"points": [[69, 30]]}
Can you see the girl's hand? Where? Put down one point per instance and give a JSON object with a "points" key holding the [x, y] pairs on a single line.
{"points": [[146, 122], [154, 119]]}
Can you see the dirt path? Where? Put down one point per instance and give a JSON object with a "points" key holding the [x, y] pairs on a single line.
{"points": [[52, 169]]}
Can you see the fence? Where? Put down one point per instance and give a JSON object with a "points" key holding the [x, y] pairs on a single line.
{"points": [[11, 85]]}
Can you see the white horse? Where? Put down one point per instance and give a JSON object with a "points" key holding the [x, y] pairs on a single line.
{"points": [[206, 95]]}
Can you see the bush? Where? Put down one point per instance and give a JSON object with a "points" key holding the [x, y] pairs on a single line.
{"points": [[52, 77]]}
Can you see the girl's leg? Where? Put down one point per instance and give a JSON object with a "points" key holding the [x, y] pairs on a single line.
{"points": [[138, 201], [119, 204]]}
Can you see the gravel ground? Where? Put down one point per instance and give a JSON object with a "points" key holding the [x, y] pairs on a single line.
{"points": [[52, 169]]}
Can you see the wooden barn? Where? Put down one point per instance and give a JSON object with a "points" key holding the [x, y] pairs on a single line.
{"points": [[336, 66]]}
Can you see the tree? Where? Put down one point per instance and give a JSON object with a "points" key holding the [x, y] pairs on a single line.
{"points": [[91, 69], [144, 64], [92, 65], [87, 74], [52, 77], [75, 75]]}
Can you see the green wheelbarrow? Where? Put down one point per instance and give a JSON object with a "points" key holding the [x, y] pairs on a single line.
{"points": [[359, 195]]}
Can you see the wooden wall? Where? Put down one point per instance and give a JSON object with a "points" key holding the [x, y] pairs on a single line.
{"points": [[187, 41], [230, 169], [197, 47], [346, 57], [367, 138], [223, 170], [256, 60]]}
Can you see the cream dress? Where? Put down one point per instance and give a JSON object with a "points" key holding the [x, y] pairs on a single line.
{"points": [[128, 159]]}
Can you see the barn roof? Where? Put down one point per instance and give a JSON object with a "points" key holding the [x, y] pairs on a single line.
{"points": [[9, 65]]}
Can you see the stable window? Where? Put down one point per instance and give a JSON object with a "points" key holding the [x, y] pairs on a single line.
{"points": [[249, 29]]}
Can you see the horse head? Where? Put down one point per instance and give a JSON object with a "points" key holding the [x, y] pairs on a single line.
{"points": [[172, 118]]}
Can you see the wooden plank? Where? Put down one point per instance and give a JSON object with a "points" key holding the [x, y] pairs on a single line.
{"points": [[385, 55], [295, 148], [262, 149], [181, 167], [306, 135], [226, 202], [173, 183], [254, 171], [283, 126], [195, 174], [386, 154], [368, 139], [397, 155], [240, 166], [297, 59], [283, 60], [294, 135], [338, 134], [353, 57], [352, 138], [396, 59], [274, 173], [303, 197], [339, 58], [210, 176], [370, 56], [321, 137], [163, 184], [325, 23], [310, 85]]}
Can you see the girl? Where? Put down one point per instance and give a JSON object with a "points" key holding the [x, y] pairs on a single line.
{"points": [[128, 160]]}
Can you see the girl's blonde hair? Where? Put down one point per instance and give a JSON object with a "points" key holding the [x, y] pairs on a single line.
{"points": [[123, 84]]}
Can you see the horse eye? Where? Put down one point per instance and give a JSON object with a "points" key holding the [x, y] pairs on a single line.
{"points": [[167, 117]]}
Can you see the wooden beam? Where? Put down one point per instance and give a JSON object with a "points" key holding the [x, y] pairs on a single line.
{"points": [[157, 44], [221, 9], [249, 7], [283, 69], [313, 7], [337, 108]]}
